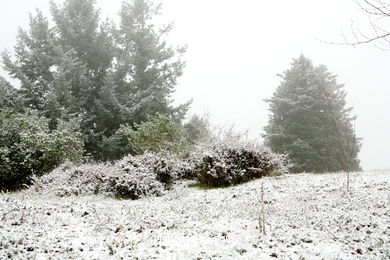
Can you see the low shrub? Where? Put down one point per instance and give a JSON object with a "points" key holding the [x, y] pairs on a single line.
{"points": [[70, 179], [134, 183], [150, 174], [155, 164], [128, 182], [130, 178], [224, 166], [28, 146]]}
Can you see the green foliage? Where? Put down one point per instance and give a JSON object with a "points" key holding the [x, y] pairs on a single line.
{"points": [[197, 129], [311, 122], [158, 133], [147, 68], [8, 95], [29, 147], [201, 186], [100, 73]]}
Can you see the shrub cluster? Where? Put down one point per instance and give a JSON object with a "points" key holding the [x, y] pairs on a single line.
{"points": [[150, 174], [224, 166], [69, 179], [224, 160], [130, 178], [28, 146]]}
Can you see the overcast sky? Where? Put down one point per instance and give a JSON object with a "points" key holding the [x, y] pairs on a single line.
{"points": [[236, 48]]}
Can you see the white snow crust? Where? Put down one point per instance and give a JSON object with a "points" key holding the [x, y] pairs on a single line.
{"points": [[307, 216]]}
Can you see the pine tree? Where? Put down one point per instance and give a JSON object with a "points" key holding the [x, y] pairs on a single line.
{"points": [[147, 68], [87, 43], [310, 120], [9, 97], [35, 54], [103, 76]]}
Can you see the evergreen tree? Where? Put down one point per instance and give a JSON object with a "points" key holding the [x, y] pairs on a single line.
{"points": [[88, 50], [197, 129], [103, 76], [9, 97], [311, 121], [147, 68], [35, 54]]}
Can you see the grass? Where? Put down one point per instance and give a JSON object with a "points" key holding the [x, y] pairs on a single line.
{"points": [[201, 186]]}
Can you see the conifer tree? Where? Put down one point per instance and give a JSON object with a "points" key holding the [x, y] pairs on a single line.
{"points": [[98, 73], [9, 97], [35, 55], [147, 68], [310, 120]]}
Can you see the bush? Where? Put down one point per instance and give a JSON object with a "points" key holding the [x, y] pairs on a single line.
{"points": [[130, 178], [134, 180], [155, 164], [117, 180], [27, 147], [70, 179], [168, 167], [158, 133], [224, 166]]}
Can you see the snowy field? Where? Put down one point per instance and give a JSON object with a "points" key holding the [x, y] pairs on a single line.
{"points": [[308, 217]]}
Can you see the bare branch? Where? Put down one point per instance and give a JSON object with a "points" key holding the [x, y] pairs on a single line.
{"points": [[358, 42], [380, 10], [381, 36]]}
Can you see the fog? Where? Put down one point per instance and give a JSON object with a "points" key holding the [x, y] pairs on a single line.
{"points": [[236, 48]]}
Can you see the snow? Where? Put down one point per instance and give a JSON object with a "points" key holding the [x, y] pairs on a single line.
{"points": [[307, 216]]}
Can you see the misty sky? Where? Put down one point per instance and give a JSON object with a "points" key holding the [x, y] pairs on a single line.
{"points": [[236, 48]]}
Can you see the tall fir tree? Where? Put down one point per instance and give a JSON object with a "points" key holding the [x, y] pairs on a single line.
{"points": [[311, 122], [9, 98], [147, 68], [98, 73], [35, 54]]}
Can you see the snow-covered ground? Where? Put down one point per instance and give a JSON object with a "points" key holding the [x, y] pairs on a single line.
{"points": [[308, 217]]}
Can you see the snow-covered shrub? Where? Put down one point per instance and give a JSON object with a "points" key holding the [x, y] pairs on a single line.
{"points": [[155, 164], [230, 166], [230, 157], [131, 177], [134, 182], [118, 180], [69, 179], [185, 168], [28, 146], [167, 166]]}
